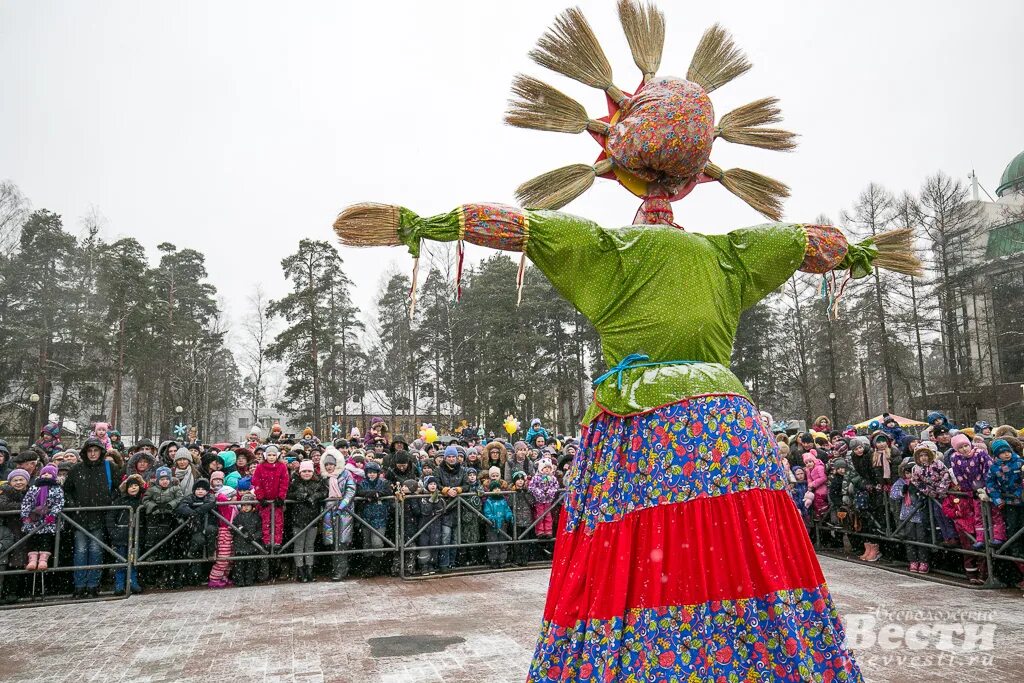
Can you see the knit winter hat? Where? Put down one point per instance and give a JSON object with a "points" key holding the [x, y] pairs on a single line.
{"points": [[494, 471], [217, 476], [451, 450], [520, 444], [49, 471], [201, 484], [328, 460], [534, 422], [244, 484], [839, 463], [372, 466], [306, 466], [162, 472], [517, 475], [271, 450], [411, 484], [427, 481], [182, 454], [248, 498], [1001, 446], [544, 462], [24, 474], [307, 432], [232, 479], [960, 440]]}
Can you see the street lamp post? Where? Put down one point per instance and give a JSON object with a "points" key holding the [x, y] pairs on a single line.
{"points": [[522, 405], [832, 402], [336, 428], [32, 416]]}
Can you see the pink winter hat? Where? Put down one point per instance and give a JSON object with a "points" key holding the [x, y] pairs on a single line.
{"points": [[960, 440], [306, 466]]}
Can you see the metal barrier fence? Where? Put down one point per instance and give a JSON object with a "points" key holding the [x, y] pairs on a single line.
{"points": [[402, 541], [410, 538], [891, 529], [65, 522]]}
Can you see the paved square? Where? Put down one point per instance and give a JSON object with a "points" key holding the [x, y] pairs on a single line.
{"points": [[457, 629]]}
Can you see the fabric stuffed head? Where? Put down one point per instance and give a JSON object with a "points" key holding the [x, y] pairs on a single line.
{"points": [[656, 142]]}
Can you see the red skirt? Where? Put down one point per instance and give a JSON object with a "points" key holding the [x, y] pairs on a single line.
{"points": [[691, 580]]}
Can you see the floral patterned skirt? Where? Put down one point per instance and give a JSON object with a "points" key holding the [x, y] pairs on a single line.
{"points": [[681, 557]]}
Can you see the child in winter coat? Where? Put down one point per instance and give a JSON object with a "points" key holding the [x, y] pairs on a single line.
{"points": [[817, 483], [429, 513], [499, 516], [159, 505], [913, 518], [839, 499], [200, 532], [307, 492], [118, 523], [341, 494], [932, 478], [470, 519], [225, 543], [375, 511], [1005, 487], [970, 464], [270, 482], [246, 541], [959, 509], [544, 489], [356, 467], [40, 513], [522, 504], [799, 491]]}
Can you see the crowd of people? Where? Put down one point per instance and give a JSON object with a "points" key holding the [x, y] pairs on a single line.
{"points": [[277, 507], [272, 507], [940, 488]]}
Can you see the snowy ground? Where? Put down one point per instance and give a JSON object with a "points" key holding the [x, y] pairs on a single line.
{"points": [[472, 628]]}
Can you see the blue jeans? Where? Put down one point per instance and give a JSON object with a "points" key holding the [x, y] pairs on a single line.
{"points": [[120, 574], [87, 552], [446, 556]]}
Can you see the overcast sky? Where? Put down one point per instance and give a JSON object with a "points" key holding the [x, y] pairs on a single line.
{"points": [[238, 128]]}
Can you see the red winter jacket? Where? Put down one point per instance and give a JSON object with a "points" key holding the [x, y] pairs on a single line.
{"points": [[270, 480]]}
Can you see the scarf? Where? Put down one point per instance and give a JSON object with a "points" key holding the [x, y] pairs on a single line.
{"points": [[881, 459], [334, 491], [185, 479]]}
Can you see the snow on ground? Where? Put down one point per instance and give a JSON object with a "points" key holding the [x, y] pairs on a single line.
{"points": [[478, 628]]}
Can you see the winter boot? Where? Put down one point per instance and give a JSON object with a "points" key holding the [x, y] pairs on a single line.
{"points": [[339, 567], [874, 554], [913, 567], [33, 562], [923, 568], [44, 561], [300, 576], [309, 575]]}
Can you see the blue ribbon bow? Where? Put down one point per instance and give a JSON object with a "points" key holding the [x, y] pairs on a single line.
{"points": [[636, 360]]}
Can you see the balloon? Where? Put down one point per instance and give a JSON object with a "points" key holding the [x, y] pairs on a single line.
{"points": [[428, 433], [511, 425]]}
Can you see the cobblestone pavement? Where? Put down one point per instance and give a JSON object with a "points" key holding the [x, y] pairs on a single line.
{"points": [[457, 629]]}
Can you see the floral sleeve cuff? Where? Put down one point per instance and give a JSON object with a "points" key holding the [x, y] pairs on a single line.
{"points": [[826, 248], [497, 226]]}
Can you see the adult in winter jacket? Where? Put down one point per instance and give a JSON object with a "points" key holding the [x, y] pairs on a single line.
{"points": [[90, 483], [518, 461], [118, 524], [341, 493], [306, 493], [495, 455], [184, 471], [143, 464], [270, 482], [451, 480], [165, 454], [40, 515], [11, 496]]}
